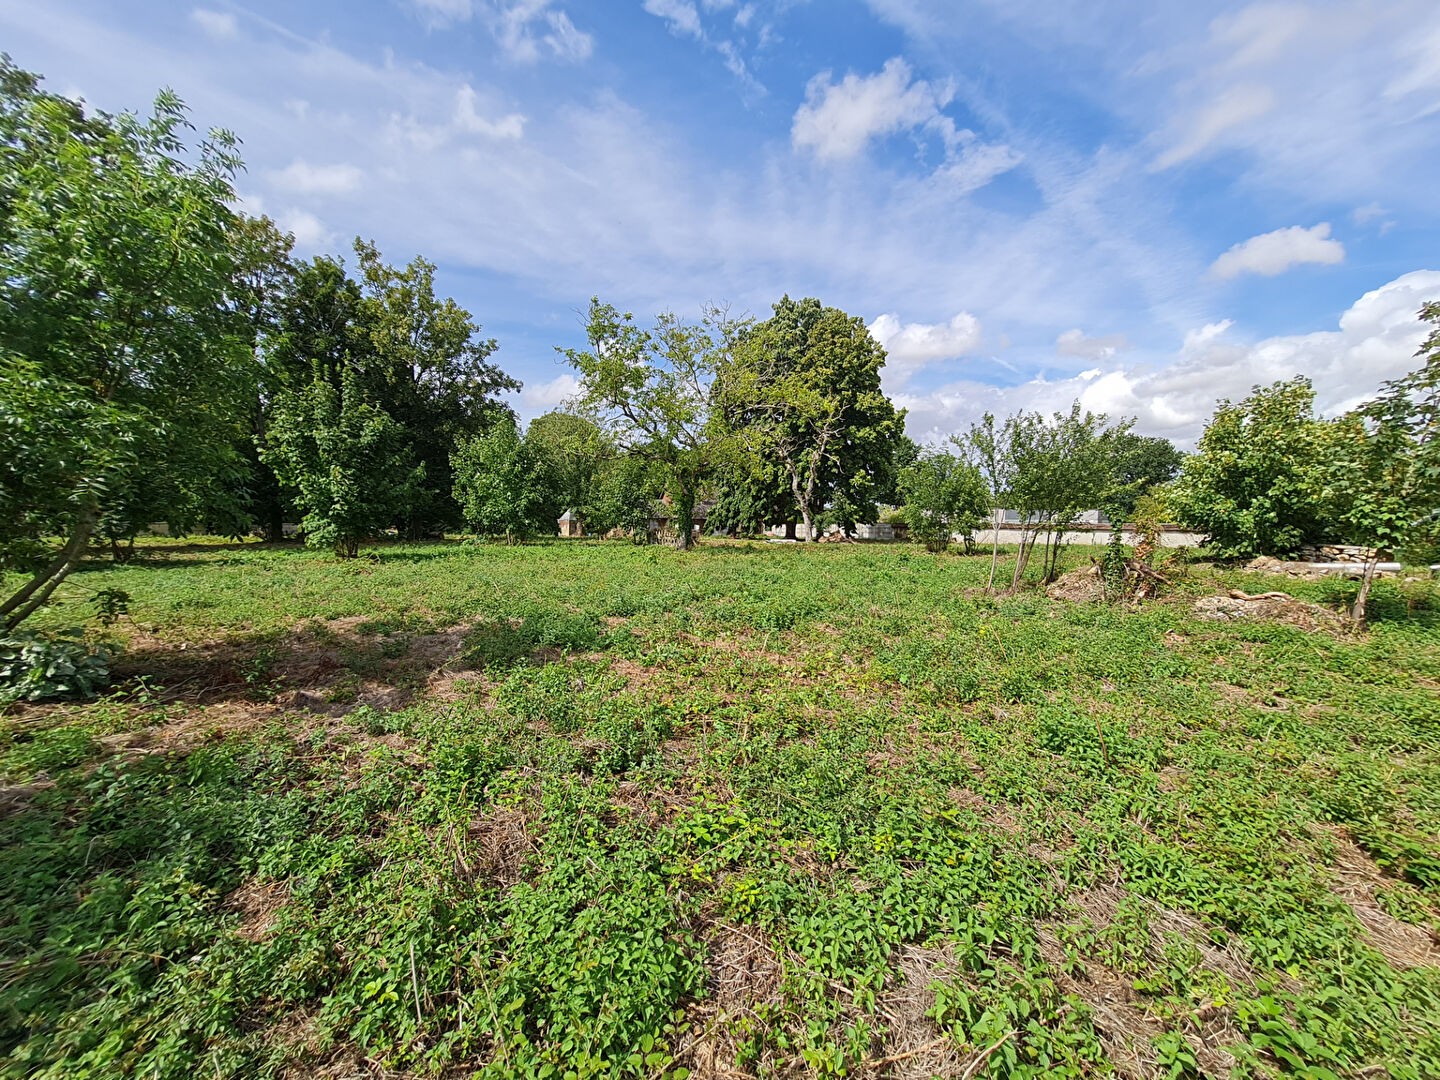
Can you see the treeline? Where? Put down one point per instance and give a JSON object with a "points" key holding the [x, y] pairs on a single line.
{"points": [[165, 358]]}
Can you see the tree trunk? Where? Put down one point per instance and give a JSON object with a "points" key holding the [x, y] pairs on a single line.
{"points": [[34, 593], [1357, 612], [809, 523], [994, 548], [1022, 558]]}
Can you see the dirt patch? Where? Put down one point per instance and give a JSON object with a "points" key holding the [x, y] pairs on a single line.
{"points": [[495, 846], [257, 903], [1125, 1019], [16, 797], [999, 817], [1357, 880], [1274, 607], [1078, 586], [744, 974], [914, 1045]]}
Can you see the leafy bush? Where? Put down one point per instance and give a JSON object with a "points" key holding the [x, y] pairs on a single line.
{"points": [[34, 668]]}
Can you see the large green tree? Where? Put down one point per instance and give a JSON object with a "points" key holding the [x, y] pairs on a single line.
{"points": [[122, 340], [801, 392], [381, 359], [577, 448], [430, 369], [1251, 485], [650, 390]]}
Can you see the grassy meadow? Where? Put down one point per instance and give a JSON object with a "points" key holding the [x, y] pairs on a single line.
{"points": [[586, 809]]}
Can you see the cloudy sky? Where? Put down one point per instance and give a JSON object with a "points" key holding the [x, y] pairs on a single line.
{"points": [[1144, 206]]}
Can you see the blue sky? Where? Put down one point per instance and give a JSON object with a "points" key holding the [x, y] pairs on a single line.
{"points": [[1143, 206]]}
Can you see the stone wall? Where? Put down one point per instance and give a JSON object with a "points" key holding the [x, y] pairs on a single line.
{"points": [[1346, 553]]}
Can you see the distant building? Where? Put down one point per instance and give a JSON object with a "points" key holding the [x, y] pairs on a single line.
{"points": [[570, 524]]}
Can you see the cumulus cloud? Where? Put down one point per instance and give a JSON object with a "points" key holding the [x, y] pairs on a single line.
{"points": [[1376, 340], [311, 234], [913, 346], [304, 178], [537, 398], [1075, 343], [1275, 252], [217, 24], [838, 120]]}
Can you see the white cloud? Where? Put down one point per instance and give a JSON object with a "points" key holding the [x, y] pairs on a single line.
{"points": [[443, 12], [838, 120], [524, 29], [913, 346], [1075, 343], [1376, 340], [220, 25], [304, 178], [1275, 252], [468, 118], [1232, 109], [311, 234], [680, 15], [537, 398]]}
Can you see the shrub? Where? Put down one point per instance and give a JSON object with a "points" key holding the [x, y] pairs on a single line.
{"points": [[34, 668]]}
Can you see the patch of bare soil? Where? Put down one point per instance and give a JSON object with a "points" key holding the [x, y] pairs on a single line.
{"points": [[495, 846], [1237, 606], [1357, 880], [1124, 1018], [991, 814], [744, 974], [1078, 586], [914, 1046], [257, 903]]}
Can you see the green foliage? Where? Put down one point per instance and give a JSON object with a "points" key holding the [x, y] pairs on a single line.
{"points": [[837, 769], [374, 382], [649, 390], [35, 667], [124, 336], [1053, 469], [800, 392], [508, 486], [577, 450], [943, 496], [622, 496], [1252, 484], [346, 458]]}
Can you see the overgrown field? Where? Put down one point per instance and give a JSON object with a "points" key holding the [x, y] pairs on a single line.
{"points": [[590, 809]]}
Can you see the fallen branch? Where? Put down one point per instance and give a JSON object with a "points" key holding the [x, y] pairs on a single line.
{"points": [[1236, 594]]}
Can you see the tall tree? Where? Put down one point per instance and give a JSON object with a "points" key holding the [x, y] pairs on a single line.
{"points": [[650, 390], [1250, 486], [431, 371], [802, 390], [120, 335], [1142, 462], [577, 448], [1056, 467]]}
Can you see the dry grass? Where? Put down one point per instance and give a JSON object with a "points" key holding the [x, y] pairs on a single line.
{"points": [[1357, 880]]}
